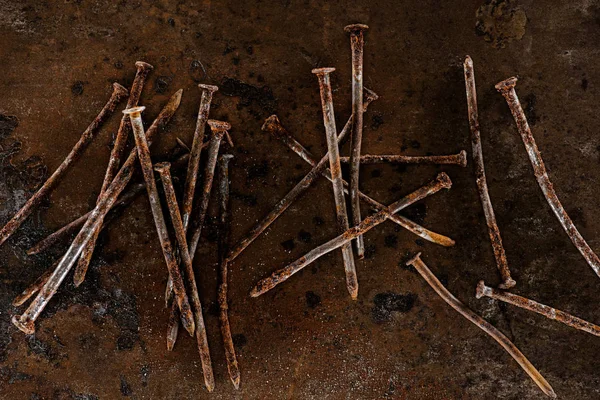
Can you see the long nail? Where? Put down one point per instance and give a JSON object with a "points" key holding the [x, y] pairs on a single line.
{"points": [[165, 175], [230, 357], [482, 188], [507, 89], [531, 305], [274, 126], [296, 192], [116, 154], [459, 159], [336, 177], [357, 42], [77, 223], [218, 129], [440, 182], [482, 324], [192, 171], [26, 322], [118, 93], [143, 149]]}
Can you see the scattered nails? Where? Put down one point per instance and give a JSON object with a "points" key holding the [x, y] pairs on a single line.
{"points": [[484, 196], [274, 126], [481, 323], [336, 178], [296, 192], [507, 89], [440, 182], [165, 175], [143, 150], [531, 305], [118, 94]]}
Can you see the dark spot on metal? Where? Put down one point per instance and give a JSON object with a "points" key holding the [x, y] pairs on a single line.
{"points": [[260, 170], [161, 84], [312, 299], [391, 241], [388, 302], [197, 71], [239, 340], [288, 245], [370, 250], [584, 83], [376, 121], [235, 60], [529, 103], [416, 213], [304, 236], [318, 221], [125, 388], [248, 199], [249, 50], [376, 173], [171, 22], [249, 94], [77, 88]]}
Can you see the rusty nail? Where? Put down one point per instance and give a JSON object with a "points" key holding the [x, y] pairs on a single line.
{"points": [[459, 159], [116, 154], [357, 42], [192, 171], [218, 129], [296, 192], [173, 326], [165, 175], [26, 322], [507, 89], [230, 357], [482, 324], [531, 305], [274, 126], [336, 177], [440, 182], [482, 188], [143, 149], [118, 93]]}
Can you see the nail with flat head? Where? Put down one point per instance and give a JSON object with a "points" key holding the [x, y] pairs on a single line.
{"points": [[480, 179], [357, 42], [507, 89], [297, 190], [118, 94], [218, 129], [442, 181], [25, 322], [165, 175], [274, 126], [161, 227], [336, 175], [482, 324], [459, 159], [531, 305]]}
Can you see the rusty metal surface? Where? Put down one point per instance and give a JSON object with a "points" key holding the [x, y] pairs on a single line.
{"points": [[306, 338]]}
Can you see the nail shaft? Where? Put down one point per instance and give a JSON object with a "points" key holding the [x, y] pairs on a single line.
{"points": [[336, 177], [459, 159], [356, 45], [173, 326], [218, 129], [201, 339], [35, 287], [440, 182], [116, 154], [482, 324], [118, 93], [296, 192], [531, 305], [274, 126], [159, 220], [507, 89], [192, 171], [223, 183], [482, 188], [26, 322]]}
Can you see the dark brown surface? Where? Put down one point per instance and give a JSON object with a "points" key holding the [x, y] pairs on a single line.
{"points": [[307, 339]]}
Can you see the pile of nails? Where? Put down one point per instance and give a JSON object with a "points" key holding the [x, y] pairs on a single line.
{"points": [[186, 222], [181, 284]]}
